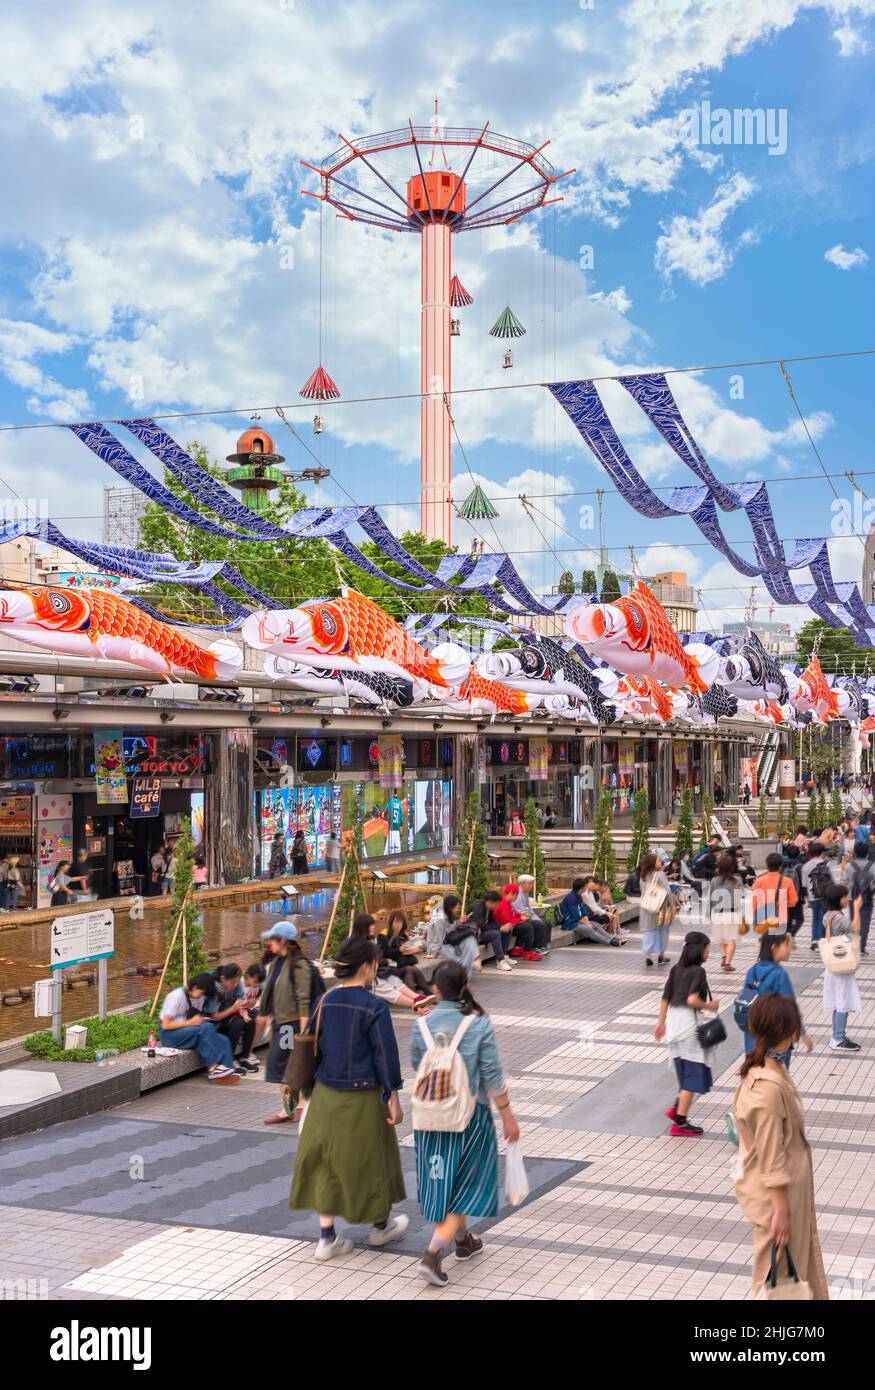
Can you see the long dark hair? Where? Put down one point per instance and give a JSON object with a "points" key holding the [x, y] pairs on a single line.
{"points": [[355, 952], [695, 945], [451, 979], [772, 1019], [450, 902], [361, 924], [647, 866], [396, 915]]}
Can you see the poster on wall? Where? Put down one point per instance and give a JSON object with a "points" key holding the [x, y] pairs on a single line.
{"points": [[681, 760], [427, 817], [538, 759], [109, 767], [15, 815], [54, 820], [389, 756], [197, 820], [747, 775]]}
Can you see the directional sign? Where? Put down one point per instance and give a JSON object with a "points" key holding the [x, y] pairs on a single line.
{"points": [[81, 937]]}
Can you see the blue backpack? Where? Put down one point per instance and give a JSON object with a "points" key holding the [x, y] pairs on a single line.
{"points": [[751, 991]]}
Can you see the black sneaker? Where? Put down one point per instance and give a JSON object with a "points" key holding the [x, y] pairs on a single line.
{"points": [[240, 1070], [846, 1045], [243, 1064], [685, 1129]]}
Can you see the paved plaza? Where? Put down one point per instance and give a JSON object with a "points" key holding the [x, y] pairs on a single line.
{"points": [[182, 1194]]}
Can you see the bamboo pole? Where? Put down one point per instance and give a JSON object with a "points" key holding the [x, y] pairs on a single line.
{"points": [[468, 865], [169, 954], [328, 929]]}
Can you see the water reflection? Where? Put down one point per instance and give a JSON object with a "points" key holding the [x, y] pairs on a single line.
{"points": [[135, 968]]}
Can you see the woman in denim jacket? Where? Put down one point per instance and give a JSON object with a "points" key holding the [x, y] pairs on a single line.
{"points": [[457, 1173], [348, 1162]]}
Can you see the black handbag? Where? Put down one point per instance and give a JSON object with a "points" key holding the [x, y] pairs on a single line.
{"points": [[712, 1032]]}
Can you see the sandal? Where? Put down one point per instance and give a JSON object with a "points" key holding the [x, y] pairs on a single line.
{"points": [[277, 1120]]}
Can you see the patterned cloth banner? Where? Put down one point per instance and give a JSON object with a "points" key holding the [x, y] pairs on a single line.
{"points": [[390, 759], [582, 403], [538, 756]]}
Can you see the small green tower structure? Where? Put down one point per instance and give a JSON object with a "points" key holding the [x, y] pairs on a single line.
{"points": [[256, 472]]}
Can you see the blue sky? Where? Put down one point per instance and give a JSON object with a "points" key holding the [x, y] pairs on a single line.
{"points": [[156, 254]]}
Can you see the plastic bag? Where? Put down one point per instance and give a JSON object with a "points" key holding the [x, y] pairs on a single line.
{"points": [[516, 1184]]}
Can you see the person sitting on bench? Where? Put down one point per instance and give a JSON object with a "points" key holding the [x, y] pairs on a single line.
{"points": [[573, 918]]}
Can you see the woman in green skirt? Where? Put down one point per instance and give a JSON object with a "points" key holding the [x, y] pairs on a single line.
{"points": [[457, 1173], [348, 1162]]}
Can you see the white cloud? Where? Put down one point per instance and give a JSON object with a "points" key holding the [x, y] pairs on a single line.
{"points": [[696, 246], [658, 558], [850, 40], [615, 299], [846, 260]]}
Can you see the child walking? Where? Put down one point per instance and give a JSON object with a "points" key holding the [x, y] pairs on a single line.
{"points": [[685, 996]]}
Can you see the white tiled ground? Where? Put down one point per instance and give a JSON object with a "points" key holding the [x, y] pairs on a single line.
{"points": [[649, 1217]]}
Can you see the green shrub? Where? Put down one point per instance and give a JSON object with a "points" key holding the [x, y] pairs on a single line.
{"points": [[123, 1032]]}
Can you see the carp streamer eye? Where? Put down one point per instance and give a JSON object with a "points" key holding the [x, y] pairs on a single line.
{"points": [[637, 621], [329, 626], [60, 603]]}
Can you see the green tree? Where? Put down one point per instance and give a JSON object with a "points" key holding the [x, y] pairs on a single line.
{"points": [[532, 858], [473, 858], [566, 584], [707, 812], [763, 818], [351, 895], [604, 863], [610, 587], [781, 824], [683, 839], [640, 829], [183, 905], [588, 582], [792, 818], [837, 650], [822, 814], [836, 806], [813, 822]]}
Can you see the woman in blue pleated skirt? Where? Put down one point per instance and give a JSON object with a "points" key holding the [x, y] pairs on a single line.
{"points": [[457, 1173]]}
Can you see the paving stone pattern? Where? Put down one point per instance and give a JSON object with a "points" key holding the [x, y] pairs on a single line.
{"points": [[617, 1210]]}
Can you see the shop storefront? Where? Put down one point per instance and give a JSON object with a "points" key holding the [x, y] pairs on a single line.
{"points": [[516, 768], [54, 805], [317, 784]]}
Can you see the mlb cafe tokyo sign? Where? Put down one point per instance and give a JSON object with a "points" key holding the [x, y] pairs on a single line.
{"points": [[145, 797]]}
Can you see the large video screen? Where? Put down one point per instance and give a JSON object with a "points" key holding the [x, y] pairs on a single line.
{"points": [[285, 810]]}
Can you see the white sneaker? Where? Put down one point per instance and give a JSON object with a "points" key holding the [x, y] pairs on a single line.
{"points": [[504, 965], [394, 1230], [330, 1249]]}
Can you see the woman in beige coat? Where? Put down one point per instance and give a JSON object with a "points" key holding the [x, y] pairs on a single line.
{"points": [[775, 1181]]}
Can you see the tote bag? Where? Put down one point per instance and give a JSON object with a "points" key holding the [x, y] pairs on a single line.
{"points": [[654, 896], [789, 1290], [840, 954]]}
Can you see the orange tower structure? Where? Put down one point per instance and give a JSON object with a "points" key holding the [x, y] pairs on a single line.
{"points": [[361, 181]]}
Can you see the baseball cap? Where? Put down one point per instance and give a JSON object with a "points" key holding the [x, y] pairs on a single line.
{"points": [[284, 929]]}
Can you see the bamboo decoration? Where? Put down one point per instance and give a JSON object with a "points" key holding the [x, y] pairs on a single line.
{"points": [[327, 937], [179, 922], [468, 866]]}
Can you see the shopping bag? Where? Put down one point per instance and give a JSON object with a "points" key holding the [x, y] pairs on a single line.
{"points": [[789, 1290], [516, 1184]]}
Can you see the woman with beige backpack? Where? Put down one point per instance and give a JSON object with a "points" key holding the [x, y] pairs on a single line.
{"points": [[840, 953], [656, 910]]}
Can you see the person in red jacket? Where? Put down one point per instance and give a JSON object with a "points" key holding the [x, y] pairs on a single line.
{"points": [[511, 924]]}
